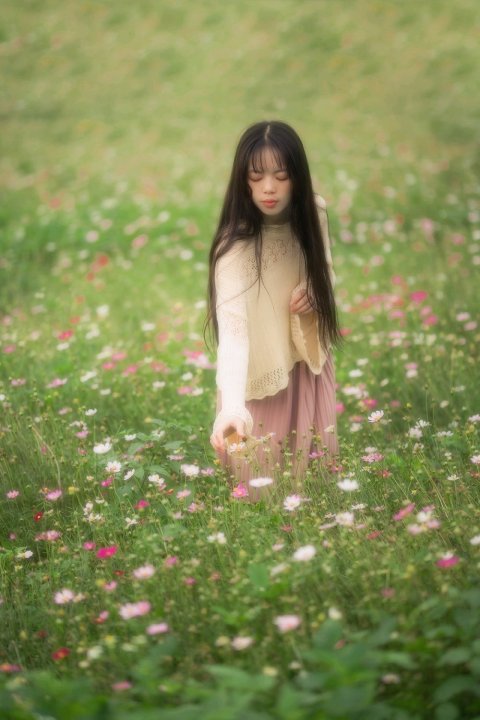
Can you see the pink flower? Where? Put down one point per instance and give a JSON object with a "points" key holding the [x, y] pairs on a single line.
{"points": [[189, 581], [418, 296], [239, 491], [106, 552], [388, 592], [448, 560], [287, 622], [110, 586], [121, 685], [49, 535], [131, 610], [141, 504], [144, 572], [171, 560], [404, 511], [54, 495], [372, 457], [157, 628], [57, 382], [12, 494], [89, 545]]}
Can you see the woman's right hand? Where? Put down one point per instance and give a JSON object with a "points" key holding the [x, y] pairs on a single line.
{"points": [[232, 424]]}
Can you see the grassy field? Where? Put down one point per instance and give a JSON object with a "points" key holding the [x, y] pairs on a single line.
{"points": [[134, 582]]}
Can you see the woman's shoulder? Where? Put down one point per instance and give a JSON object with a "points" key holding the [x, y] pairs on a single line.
{"points": [[320, 201], [231, 251]]}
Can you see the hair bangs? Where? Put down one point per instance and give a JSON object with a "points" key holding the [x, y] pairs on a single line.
{"points": [[257, 154]]}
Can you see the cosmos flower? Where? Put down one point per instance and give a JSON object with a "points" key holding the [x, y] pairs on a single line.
{"points": [[285, 623], [131, 610], [102, 448], [261, 482], [292, 502], [305, 553]]}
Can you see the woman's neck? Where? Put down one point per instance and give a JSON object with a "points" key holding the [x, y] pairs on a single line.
{"points": [[281, 218]]}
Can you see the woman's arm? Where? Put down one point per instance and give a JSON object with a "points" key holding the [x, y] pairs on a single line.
{"points": [[233, 350]]}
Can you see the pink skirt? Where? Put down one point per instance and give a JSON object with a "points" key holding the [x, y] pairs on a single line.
{"points": [[302, 420]]}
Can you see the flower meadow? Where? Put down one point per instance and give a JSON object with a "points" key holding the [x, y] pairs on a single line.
{"points": [[133, 570], [136, 580]]}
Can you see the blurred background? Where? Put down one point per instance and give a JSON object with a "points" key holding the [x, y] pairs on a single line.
{"points": [[153, 95]]}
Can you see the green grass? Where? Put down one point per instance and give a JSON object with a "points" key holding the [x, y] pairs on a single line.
{"points": [[119, 124]]}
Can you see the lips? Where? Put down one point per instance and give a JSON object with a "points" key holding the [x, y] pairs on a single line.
{"points": [[269, 203]]}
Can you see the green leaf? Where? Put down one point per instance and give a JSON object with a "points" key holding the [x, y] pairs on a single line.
{"points": [[455, 656], [172, 530], [453, 686], [237, 679], [446, 711], [259, 575], [401, 659]]}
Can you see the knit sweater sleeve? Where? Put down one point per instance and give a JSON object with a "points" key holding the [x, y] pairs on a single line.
{"points": [[233, 341]]}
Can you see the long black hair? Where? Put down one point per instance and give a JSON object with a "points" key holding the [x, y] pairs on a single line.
{"points": [[240, 218]]}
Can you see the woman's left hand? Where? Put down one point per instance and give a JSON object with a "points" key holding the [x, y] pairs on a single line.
{"points": [[299, 302]]}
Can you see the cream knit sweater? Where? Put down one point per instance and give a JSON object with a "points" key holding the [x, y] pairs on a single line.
{"points": [[260, 340]]}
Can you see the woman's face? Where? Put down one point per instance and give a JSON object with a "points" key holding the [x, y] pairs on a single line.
{"points": [[270, 185]]}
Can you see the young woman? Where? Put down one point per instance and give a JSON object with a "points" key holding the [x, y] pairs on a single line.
{"points": [[272, 307]]}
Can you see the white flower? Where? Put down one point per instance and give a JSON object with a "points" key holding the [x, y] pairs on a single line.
{"points": [[475, 540], [330, 429], [94, 652], [217, 537], [276, 569], [334, 613], [129, 474], [190, 470], [155, 479], [147, 326], [90, 412], [474, 418], [131, 437], [24, 555], [287, 622], [113, 467], [292, 502], [415, 432], [102, 311], [102, 448], [304, 553], [376, 416], [475, 459], [348, 485], [345, 518], [261, 482], [241, 642]]}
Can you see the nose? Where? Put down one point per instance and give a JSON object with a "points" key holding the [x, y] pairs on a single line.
{"points": [[269, 184]]}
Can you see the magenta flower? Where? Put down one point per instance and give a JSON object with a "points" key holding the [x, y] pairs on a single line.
{"points": [[106, 552], [418, 296], [448, 560]]}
